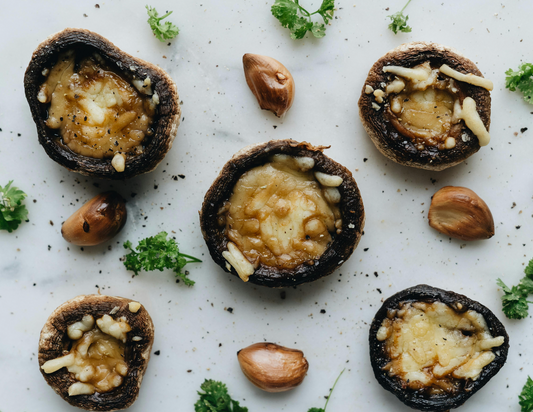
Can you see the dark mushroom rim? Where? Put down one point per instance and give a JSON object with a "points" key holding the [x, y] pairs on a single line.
{"points": [[134, 351], [130, 68], [350, 206], [419, 399], [403, 148]]}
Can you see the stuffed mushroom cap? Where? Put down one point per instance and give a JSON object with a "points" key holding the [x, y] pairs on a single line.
{"points": [[139, 151], [445, 347], [433, 121], [54, 343], [273, 221]]}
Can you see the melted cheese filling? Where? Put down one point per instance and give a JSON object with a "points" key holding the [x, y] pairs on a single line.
{"points": [[281, 214], [96, 360], [423, 108], [97, 112], [432, 347]]}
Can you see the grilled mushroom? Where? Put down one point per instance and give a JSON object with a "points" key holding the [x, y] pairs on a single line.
{"points": [[434, 349], [94, 350], [282, 213], [99, 111], [426, 106]]}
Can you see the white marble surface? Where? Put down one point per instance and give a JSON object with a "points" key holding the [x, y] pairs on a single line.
{"points": [[197, 337]]}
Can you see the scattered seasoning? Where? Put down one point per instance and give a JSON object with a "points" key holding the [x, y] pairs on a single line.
{"points": [[376, 274], [182, 176], [49, 248], [230, 310], [322, 310], [157, 352], [51, 223], [96, 6], [523, 129], [366, 249]]}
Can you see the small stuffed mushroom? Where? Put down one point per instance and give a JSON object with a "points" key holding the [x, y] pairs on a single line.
{"points": [[282, 213], [99, 111], [434, 349], [94, 350], [426, 106]]}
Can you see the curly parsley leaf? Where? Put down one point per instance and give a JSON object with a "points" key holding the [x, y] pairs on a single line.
{"points": [[163, 31], [12, 211], [514, 300], [214, 397], [329, 396], [298, 20], [526, 397], [158, 253], [521, 80], [399, 21]]}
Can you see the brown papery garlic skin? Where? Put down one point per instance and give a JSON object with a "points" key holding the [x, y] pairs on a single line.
{"points": [[97, 221], [270, 82], [273, 368], [460, 213]]}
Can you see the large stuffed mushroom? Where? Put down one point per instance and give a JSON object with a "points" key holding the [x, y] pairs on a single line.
{"points": [[282, 213]]}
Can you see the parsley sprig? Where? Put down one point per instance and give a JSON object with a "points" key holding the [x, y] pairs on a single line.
{"points": [[514, 301], [329, 396], [526, 397], [521, 80], [214, 397], [298, 20], [158, 253], [399, 21], [163, 31], [12, 211]]}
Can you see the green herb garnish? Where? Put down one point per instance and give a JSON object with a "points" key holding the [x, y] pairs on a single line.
{"points": [[158, 253], [163, 31], [521, 80], [399, 21], [12, 211], [214, 397], [514, 301], [526, 397], [298, 20], [329, 396]]}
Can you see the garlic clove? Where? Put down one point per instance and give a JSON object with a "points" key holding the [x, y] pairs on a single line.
{"points": [[273, 368], [270, 82], [97, 221], [460, 213]]}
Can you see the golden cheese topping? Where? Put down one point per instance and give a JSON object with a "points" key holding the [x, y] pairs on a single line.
{"points": [[96, 360], [433, 347], [97, 112], [281, 214], [422, 106]]}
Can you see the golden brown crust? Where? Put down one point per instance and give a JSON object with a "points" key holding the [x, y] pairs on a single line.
{"points": [[385, 136], [351, 208], [54, 340], [168, 111]]}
